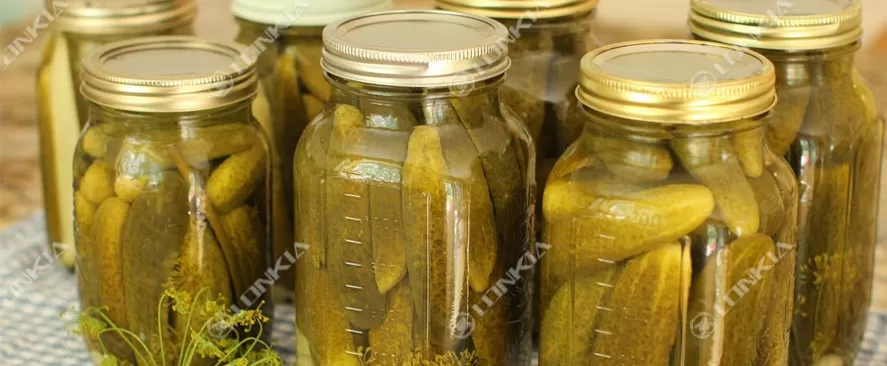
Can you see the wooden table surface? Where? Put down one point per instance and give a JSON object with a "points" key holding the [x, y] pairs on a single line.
{"points": [[20, 194]]}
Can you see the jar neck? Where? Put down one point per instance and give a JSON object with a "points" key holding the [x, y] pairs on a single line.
{"points": [[817, 67], [252, 32], [235, 113], [655, 132]]}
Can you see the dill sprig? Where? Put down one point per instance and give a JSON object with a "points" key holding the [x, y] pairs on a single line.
{"points": [[215, 342]]}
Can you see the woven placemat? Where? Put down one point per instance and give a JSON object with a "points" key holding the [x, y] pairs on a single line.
{"points": [[38, 303]]}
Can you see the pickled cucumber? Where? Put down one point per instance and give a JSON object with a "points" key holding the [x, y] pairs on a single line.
{"points": [[392, 342], [151, 243], [610, 228], [107, 233], [201, 270], [144, 153], [307, 59], [438, 283], [96, 185], [707, 326], [313, 106], [749, 147], [712, 161], [632, 160], [773, 347], [770, 202], [569, 323], [245, 231], [84, 213], [309, 170], [128, 187], [332, 342], [236, 178], [94, 142], [491, 332], [750, 276], [349, 224], [644, 303], [788, 116], [105, 248], [526, 95], [466, 178], [389, 241]]}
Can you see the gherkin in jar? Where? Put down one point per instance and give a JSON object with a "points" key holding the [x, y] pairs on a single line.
{"points": [[413, 198], [672, 232], [171, 204], [828, 126], [79, 28]]}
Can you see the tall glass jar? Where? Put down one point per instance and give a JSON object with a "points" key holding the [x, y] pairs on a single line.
{"points": [[80, 26], [828, 126], [171, 197], [413, 194], [285, 37], [670, 224]]}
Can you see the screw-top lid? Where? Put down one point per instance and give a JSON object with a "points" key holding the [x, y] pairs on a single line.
{"points": [[416, 48], [517, 9], [114, 17], [675, 81], [778, 25], [288, 13], [168, 74]]}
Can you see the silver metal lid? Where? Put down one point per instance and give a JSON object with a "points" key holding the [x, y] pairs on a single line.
{"points": [[168, 74], [416, 48]]}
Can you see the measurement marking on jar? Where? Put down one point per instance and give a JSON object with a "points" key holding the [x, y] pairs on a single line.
{"points": [[350, 241], [352, 195], [607, 285], [604, 332], [354, 331], [603, 308], [601, 355], [352, 353], [606, 261], [352, 264], [354, 287], [357, 310], [349, 218]]}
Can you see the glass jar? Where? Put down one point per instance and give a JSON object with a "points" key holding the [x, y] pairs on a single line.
{"points": [[285, 38], [171, 199], [81, 26], [828, 126], [414, 195], [547, 39], [670, 224]]}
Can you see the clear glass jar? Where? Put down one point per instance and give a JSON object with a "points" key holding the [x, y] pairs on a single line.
{"points": [[81, 27], [171, 195], [415, 201], [828, 126], [286, 38], [547, 39], [670, 224]]}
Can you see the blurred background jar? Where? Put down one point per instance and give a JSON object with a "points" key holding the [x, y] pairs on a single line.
{"points": [[414, 194], [171, 196], [285, 37], [670, 223], [546, 41], [830, 129], [79, 27]]}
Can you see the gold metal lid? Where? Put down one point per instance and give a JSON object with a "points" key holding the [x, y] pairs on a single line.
{"points": [[168, 74], [112, 17], [517, 9], [677, 81], [416, 48], [778, 25]]}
